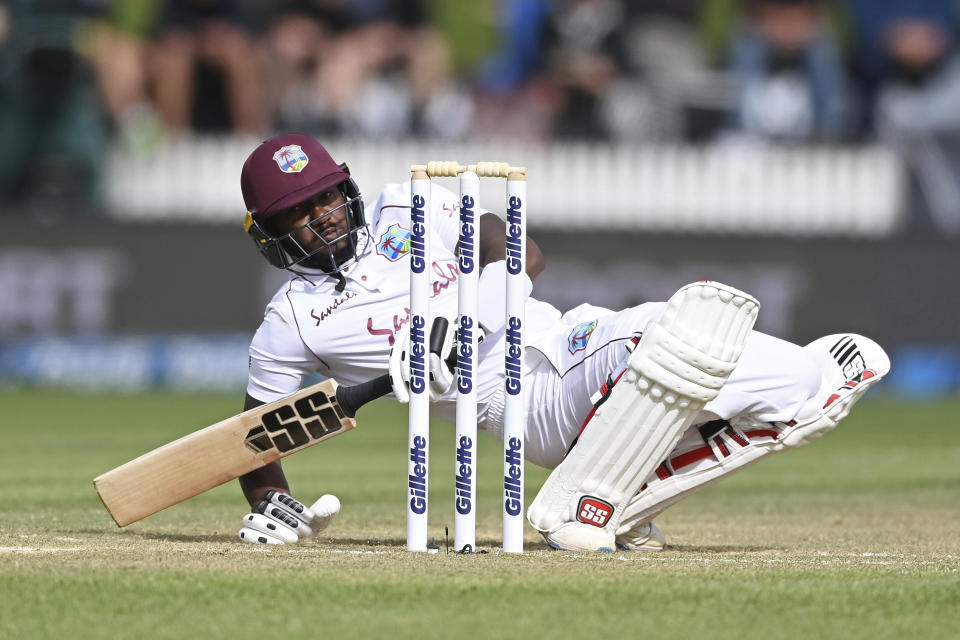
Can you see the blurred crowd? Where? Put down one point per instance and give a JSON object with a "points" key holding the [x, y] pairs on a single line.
{"points": [[78, 75]]}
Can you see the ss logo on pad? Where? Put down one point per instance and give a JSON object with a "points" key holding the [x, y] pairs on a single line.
{"points": [[594, 511]]}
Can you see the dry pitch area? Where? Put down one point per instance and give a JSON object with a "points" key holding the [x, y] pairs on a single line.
{"points": [[856, 536]]}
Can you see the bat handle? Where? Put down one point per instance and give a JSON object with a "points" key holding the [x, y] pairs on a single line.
{"points": [[352, 398]]}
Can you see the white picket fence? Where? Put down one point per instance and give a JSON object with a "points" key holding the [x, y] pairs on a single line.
{"points": [[849, 191]]}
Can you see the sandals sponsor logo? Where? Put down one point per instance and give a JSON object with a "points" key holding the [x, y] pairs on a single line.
{"points": [[323, 315]]}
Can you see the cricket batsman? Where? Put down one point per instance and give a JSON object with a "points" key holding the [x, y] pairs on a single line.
{"points": [[633, 410]]}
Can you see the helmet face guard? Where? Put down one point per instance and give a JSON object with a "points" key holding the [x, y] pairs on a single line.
{"points": [[285, 251]]}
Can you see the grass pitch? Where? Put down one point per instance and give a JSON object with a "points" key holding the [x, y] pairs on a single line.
{"points": [[855, 536]]}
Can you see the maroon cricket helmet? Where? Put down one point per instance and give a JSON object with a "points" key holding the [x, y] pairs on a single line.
{"points": [[285, 171]]}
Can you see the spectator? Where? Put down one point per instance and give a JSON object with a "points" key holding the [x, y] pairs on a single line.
{"points": [[871, 20], [916, 110], [296, 40], [622, 71], [373, 69], [670, 91], [117, 46], [204, 57], [792, 82], [51, 130], [585, 58], [512, 99]]}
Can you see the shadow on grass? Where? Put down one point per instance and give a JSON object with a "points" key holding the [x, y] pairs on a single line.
{"points": [[364, 542], [484, 545], [182, 537], [721, 548], [153, 535]]}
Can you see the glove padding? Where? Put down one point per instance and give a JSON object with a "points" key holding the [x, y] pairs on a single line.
{"points": [[281, 519], [441, 359]]}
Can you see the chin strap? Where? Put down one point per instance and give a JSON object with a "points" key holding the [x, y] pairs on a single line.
{"points": [[342, 282]]}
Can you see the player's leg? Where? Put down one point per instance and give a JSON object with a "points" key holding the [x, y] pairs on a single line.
{"points": [[680, 364], [848, 365]]}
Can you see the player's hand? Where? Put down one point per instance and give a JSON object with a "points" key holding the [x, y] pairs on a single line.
{"points": [[442, 360], [281, 519]]}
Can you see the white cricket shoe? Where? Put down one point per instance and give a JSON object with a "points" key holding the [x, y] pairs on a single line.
{"points": [[850, 364], [643, 537]]}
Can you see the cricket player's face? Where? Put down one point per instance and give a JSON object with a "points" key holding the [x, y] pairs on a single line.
{"points": [[319, 224]]}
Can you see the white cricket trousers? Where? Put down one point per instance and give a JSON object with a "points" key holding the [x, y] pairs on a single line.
{"points": [[771, 383]]}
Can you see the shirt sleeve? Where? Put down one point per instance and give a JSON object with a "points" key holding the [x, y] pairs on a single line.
{"points": [[279, 360]]}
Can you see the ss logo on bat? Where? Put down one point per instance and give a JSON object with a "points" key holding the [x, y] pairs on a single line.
{"points": [[291, 426]]}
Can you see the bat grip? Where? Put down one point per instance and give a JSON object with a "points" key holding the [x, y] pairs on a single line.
{"points": [[352, 398]]}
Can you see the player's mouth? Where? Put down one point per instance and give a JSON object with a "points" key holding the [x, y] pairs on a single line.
{"points": [[330, 233]]}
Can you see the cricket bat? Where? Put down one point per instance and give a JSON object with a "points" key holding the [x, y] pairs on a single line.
{"points": [[230, 448]]}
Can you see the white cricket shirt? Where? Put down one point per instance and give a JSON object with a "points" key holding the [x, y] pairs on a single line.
{"points": [[310, 327]]}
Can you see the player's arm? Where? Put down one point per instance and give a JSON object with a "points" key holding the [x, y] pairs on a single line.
{"points": [[256, 483], [491, 237], [277, 517], [278, 363], [492, 245]]}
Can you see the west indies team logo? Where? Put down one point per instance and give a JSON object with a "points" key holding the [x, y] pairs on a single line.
{"points": [[394, 243], [291, 158], [578, 338]]}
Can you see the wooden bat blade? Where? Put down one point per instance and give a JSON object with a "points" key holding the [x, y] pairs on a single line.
{"points": [[221, 452]]}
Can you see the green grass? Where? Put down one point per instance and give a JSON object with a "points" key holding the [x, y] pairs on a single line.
{"points": [[855, 536]]}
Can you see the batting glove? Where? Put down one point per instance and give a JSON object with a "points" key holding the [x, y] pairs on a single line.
{"points": [[281, 519], [442, 360]]}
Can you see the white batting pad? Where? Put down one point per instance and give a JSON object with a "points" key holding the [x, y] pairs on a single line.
{"points": [[850, 364], [681, 362]]}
